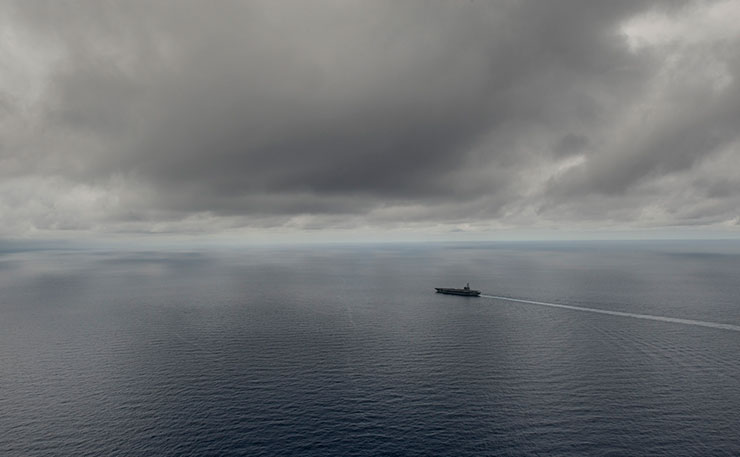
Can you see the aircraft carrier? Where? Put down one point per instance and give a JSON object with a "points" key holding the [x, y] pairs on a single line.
{"points": [[466, 291]]}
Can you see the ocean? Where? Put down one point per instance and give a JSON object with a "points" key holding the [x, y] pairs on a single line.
{"points": [[591, 348]]}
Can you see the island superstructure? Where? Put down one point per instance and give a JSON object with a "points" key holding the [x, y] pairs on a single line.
{"points": [[466, 291]]}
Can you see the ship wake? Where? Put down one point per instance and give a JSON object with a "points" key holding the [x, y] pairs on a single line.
{"points": [[674, 320]]}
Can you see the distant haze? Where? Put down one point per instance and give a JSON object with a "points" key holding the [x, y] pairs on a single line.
{"points": [[380, 119]]}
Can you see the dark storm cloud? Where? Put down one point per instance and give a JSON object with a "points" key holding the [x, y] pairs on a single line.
{"points": [[703, 123], [570, 144], [402, 112]]}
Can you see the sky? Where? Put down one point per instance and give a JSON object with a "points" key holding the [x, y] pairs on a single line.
{"points": [[380, 120]]}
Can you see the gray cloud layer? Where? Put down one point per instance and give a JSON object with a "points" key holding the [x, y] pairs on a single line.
{"points": [[151, 116]]}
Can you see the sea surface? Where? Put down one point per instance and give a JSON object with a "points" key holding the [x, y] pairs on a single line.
{"points": [[594, 348]]}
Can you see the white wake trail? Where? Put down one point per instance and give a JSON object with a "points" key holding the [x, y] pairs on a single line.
{"points": [[675, 320]]}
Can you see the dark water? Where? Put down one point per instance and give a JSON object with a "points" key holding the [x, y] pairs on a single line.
{"points": [[347, 351]]}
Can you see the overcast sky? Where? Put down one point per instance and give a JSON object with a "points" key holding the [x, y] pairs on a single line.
{"points": [[416, 119]]}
